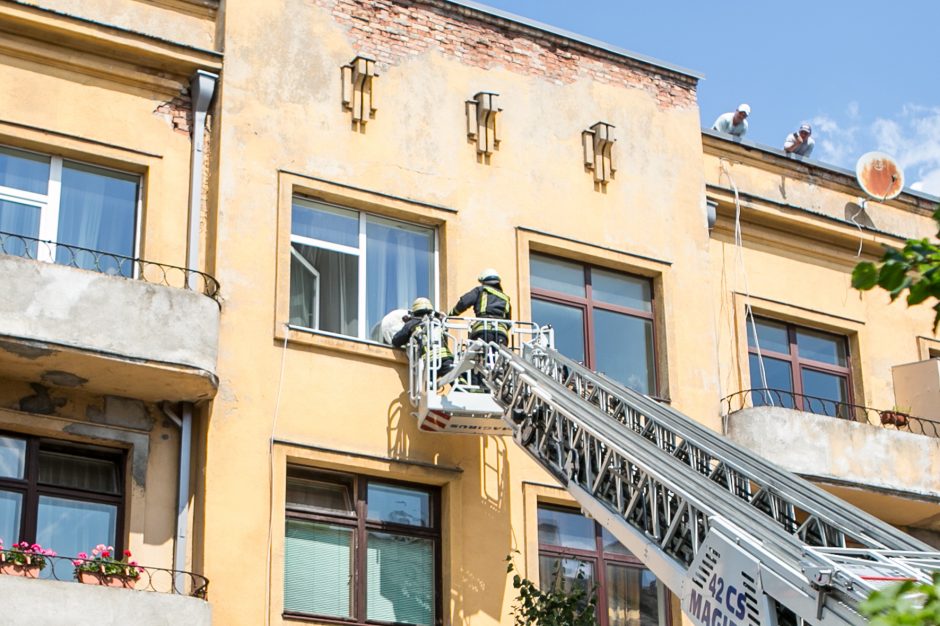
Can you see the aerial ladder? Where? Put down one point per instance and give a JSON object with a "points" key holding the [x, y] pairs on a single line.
{"points": [[742, 541]]}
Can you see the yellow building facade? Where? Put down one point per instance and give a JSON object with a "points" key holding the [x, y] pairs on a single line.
{"points": [[291, 172]]}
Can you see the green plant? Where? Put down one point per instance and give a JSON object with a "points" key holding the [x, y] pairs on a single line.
{"points": [[555, 607], [103, 562], [906, 604], [915, 268], [24, 553]]}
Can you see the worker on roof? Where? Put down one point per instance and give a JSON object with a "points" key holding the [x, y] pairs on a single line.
{"points": [[421, 311], [800, 143], [488, 302], [733, 122]]}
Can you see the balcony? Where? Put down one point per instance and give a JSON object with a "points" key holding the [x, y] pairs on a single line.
{"points": [[105, 323], [55, 599], [883, 461]]}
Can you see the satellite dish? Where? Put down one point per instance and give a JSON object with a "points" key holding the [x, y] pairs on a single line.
{"points": [[879, 175]]}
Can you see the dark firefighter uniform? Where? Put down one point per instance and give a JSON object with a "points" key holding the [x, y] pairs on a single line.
{"points": [[489, 302], [416, 324]]}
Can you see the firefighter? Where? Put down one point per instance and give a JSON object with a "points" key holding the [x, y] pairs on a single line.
{"points": [[488, 302], [421, 310]]}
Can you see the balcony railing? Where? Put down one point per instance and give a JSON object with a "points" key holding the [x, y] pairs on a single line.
{"points": [[155, 579], [883, 418], [109, 263]]}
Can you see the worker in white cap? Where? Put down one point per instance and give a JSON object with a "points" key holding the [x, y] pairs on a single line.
{"points": [[488, 302], [733, 122], [801, 142]]}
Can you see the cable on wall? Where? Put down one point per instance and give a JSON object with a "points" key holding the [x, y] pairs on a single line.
{"points": [[741, 269]]}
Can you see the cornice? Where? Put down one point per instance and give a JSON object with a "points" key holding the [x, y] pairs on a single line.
{"points": [[809, 170], [198, 8], [78, 45]]}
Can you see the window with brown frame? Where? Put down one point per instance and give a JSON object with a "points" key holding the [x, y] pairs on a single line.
{"points": [[361, 550], [65, 496], [601, 318], [628, 594], [799, 368]]}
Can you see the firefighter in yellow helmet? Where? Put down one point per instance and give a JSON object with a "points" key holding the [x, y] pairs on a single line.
{"points": [[421, 310], [488, 302]]}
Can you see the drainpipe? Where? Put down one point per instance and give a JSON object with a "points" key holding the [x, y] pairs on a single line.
{"points": [[185, 425], [201, 89]]}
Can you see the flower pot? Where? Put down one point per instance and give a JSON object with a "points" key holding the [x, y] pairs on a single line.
{"points": [[15, 569], [94, 578], [894, 418]]}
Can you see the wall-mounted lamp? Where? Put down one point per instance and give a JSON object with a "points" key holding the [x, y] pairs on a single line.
{"points": [[482, 111], [597, 143], [359, 89]]}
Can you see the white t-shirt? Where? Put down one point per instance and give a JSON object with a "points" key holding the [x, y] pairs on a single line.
{"points": [[725, 124]]}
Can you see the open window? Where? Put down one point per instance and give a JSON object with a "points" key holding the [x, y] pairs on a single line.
{"points": [[350, 268]]}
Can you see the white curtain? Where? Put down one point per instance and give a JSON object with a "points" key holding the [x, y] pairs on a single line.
{"points": [[97, 211], [399, 267], [19, 219]]}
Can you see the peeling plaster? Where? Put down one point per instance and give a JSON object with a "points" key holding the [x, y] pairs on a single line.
{"points": [[58, 378], [25, 350]]}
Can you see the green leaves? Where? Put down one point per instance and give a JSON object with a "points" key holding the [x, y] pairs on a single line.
{"points": [[915, 268], [905, 604], [576, 606]]}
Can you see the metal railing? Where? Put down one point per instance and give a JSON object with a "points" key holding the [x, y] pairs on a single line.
{"points": [[109, 263], [882, 418], [154, 579], [453, 333]]}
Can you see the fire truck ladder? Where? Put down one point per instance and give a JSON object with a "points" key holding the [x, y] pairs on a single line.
{"points": [[743, 541]]}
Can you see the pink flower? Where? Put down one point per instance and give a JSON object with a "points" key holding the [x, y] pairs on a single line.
{"points": [[110, 548], [82, 555], [77, 563], [95, 552]]}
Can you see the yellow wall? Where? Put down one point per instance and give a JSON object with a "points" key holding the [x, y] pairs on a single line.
{"points": [[282, 131], [92, 91]]}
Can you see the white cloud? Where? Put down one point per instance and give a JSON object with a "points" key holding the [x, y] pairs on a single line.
{"points": [[912, 137], [836, 143]]}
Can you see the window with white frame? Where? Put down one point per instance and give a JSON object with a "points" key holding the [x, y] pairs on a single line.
{"points": [[349, 269], [66, 203]]}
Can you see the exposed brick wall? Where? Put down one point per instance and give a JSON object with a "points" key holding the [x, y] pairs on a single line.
{"points": [[178, 112], [394, 30]]}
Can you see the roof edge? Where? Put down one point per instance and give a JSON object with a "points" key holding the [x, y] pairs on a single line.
{"points": [[813, 163], [565, 34]]}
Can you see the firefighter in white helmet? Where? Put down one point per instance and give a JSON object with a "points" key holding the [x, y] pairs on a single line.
{"points": [[488, 302], [421, 310]]}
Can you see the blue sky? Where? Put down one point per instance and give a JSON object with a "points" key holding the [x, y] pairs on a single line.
{"points": [[865, 73]]}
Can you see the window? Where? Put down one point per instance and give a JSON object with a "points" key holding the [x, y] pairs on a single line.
{"points": [[349, 269], [808, 369], [66, 497], [53, 199], [601, 318], [627, 593], [361, 549]]}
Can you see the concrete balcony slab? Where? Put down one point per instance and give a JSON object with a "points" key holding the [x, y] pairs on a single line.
{"points": [[104, 334], [857, 461]]}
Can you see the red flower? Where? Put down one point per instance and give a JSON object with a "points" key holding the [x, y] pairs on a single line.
{"points": [[127, 553]]}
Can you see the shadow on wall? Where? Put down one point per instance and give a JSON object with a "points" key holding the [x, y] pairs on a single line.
{"points": [[856, 213], [479, 582], [478, 573]]}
